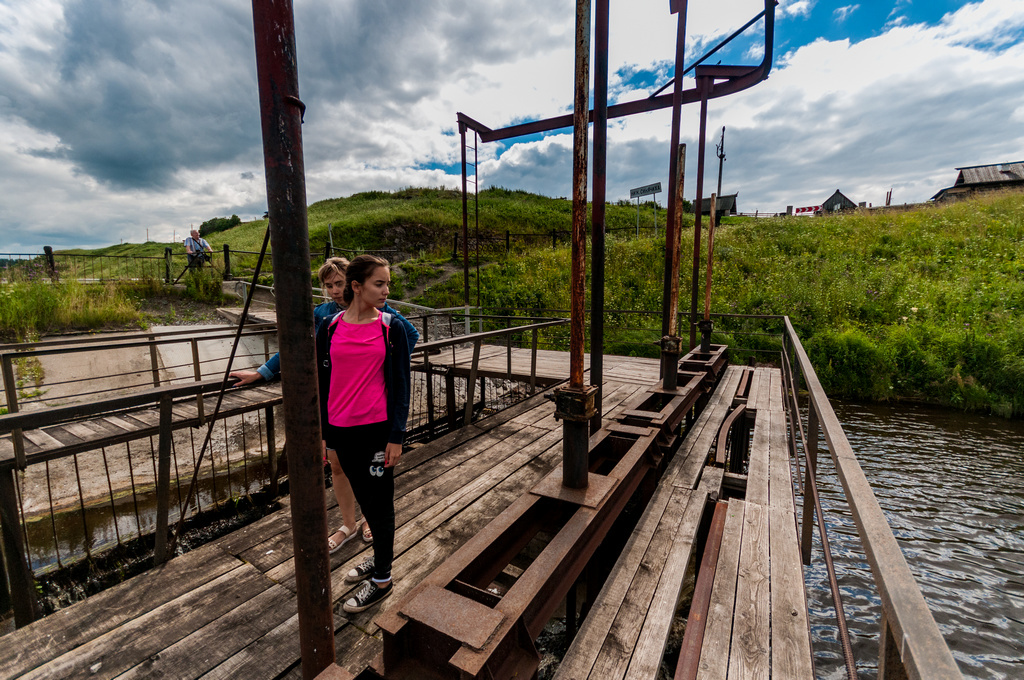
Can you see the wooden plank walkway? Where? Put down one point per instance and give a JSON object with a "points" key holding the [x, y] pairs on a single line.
{"points": [[228, 609], [757, 621]]}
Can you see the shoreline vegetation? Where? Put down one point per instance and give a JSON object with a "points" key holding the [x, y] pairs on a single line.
{"points": [[920, 305]]}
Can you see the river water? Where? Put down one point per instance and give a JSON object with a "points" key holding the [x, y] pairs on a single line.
{"points": [[952, 488]]}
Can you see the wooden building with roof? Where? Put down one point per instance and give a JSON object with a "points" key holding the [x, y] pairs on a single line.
{"points": [[981, 178], [837, 202]]}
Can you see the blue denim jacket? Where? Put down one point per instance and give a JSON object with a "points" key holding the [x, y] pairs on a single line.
{"points": [[272, 369]]}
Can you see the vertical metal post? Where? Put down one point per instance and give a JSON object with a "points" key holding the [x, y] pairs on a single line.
{"points": [[275, 464], [674, 206], [430, 394], [154, 361], [598, 208], [671, 346], [703, 85], [163, 482], [465, 222], [167, 266], [808, 505], [575, 404], [471, 383], [281, 111], [23, 590]]}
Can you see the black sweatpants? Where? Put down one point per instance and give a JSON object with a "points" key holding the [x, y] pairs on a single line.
{"points": [[360, 451]]}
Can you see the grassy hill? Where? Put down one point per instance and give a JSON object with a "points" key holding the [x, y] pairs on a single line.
{"points": [[918, 305]]}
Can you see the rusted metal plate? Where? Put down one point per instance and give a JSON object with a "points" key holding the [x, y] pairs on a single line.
{"points": [[458, 617], [597, 488]]}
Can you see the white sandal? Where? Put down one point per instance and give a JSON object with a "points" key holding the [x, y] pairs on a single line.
{"points": [[334, 543]]}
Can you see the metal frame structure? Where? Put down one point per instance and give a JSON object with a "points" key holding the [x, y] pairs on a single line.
{"points": [[452, 624]]}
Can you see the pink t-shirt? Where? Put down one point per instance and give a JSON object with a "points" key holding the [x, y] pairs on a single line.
{"points": [[358, 394]]}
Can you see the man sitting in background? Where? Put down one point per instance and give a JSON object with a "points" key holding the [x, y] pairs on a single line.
{"points": [[197, 248]]}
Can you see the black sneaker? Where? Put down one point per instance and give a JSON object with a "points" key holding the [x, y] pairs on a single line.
{"points": [[362, 570], [367, 596]]}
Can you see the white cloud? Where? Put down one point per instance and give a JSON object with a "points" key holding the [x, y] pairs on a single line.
{"points": [[116, 118], [841, 13]]}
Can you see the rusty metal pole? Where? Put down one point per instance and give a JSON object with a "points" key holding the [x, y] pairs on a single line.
{"points": [[674, 205], [705, 324], [575, 404], [465, 226], [597, 218], [703, 85], [281, 114], [670, 343]]}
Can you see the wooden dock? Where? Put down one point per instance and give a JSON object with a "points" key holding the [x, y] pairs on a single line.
{"points": [[228, 609]]}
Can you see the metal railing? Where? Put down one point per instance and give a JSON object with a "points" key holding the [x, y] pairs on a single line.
{"points": [[135, 489]]}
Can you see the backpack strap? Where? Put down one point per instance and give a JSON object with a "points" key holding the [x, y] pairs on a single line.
{"points": [[385, 321]]}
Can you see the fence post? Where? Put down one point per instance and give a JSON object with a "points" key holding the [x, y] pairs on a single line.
{"points": [[430, 394], [508, 241], [227, 262], [23, 590], [455, 247], [471, 383], [11, 391], [272, 451], [163, 482], [167, 266], [197, 371], [51, 266], [450, 404], [554, 238], [426, 328], [533, 362]]}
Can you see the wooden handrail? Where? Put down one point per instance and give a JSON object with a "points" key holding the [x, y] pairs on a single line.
{"points": [[917, 639], [52, 416]]}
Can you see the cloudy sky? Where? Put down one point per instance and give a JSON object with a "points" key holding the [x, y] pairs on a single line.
{"points": [[132, 119]]}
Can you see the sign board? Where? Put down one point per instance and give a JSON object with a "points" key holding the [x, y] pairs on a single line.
{"points": [[645, 190], [808, 209]]}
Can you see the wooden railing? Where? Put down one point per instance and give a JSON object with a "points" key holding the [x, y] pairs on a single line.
{"points": [[910, 643]]}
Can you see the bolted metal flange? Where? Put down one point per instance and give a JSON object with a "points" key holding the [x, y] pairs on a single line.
{"points": [[576, 404]]}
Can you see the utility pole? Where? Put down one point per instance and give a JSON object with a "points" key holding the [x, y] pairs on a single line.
{"points": [[720, 152]]}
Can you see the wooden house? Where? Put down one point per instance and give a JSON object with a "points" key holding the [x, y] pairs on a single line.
{"points": [[981, 178]]}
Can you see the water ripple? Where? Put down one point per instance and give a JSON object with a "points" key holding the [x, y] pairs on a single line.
{"points": [[952, 488]]}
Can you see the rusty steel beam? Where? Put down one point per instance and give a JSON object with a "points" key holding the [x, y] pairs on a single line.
{"points": [[281, 115], [703, 85], [693, 639], [740, 78], [675, 178], [597, 217], [576, 402], [453, 625]]}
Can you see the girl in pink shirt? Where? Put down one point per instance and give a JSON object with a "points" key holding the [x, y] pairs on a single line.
{"points": [[364, 403]]}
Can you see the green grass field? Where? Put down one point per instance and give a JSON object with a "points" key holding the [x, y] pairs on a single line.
{"points": [[920, 305]]}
